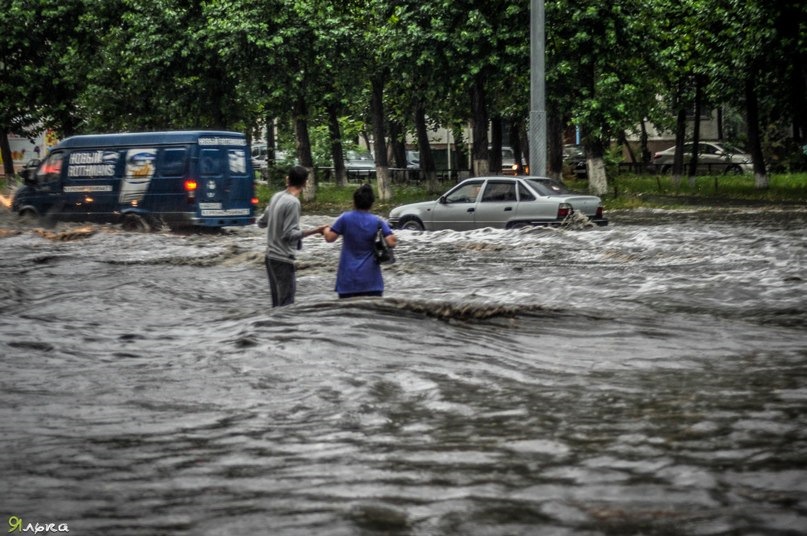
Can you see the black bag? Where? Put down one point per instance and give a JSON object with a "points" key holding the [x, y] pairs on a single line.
{"points": [[383, 253]]}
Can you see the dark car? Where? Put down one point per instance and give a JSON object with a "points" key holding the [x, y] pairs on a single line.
{"points": [[574, 158]]}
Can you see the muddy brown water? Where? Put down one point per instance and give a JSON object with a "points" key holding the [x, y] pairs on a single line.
{"points": [[645, 378]]}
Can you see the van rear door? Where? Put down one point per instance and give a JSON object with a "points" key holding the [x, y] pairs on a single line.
{"points": [[226, 186]]}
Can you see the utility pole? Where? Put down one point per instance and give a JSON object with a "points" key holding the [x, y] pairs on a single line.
{"points": [[537, 133]]}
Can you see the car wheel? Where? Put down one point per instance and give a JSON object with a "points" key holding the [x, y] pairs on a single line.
{"points": [[518, 225], [411, 223], [734, 170], [666, 170], [137, 223]]}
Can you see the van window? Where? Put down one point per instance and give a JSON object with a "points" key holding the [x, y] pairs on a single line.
{"points": [[211, 163], [51, 170], [237, 159], [174, 162]]}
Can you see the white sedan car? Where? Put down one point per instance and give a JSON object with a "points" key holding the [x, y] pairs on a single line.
{"points": [[713, 157], [499, 202]]}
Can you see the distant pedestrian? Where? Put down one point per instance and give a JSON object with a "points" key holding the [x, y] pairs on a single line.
{"points": [[284, 237], [359, 274]]}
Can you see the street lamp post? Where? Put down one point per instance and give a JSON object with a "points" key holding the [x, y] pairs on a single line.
{"points": [[537, 124]]}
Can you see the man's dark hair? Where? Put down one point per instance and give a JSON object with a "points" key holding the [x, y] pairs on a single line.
{"points": [[363, 197], [298, 176]]}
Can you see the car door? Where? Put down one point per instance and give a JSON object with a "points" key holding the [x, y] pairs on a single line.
{"points": [[710, 160], [498, 204], [456, 209]]}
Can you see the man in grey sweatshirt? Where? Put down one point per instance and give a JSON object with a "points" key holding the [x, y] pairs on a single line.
{"points": [[284, 236]]}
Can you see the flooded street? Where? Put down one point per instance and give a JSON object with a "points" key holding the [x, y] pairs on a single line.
{"points": [[649, 377]]}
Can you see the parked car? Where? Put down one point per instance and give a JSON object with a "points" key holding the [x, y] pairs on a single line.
{"points": [[499, 202], [574, 157], [508, 160], [359, 164], [413, 160], [259, 155], [713, 157]]}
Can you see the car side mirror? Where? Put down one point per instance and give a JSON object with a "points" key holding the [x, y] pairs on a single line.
{"points": [[442, 200]]}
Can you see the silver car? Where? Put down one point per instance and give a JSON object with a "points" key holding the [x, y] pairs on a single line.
{"points": [[713, 157], [359, 164], [499, 202]]}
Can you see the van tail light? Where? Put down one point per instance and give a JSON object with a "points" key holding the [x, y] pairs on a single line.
{"points": [[564, 209], [190, 189], [598, 214], [255, 201]]}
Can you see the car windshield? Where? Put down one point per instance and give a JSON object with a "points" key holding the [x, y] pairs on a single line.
{"points": [[355, 156], [549, 187]]}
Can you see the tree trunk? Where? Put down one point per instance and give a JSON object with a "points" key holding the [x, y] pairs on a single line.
{"points": [[5, 152], [555, 134], [337, 154], [515, 143], [427, 166], [479, 128], [754, 139], [696, 132], [463, 162], [397, 151], [495, 152], [645, 151], [303, 146], [397, 144], [680, 138], [595, 165], [379, 143]]}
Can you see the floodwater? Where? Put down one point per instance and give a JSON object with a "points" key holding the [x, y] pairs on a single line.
{"points": [[645, 378]]}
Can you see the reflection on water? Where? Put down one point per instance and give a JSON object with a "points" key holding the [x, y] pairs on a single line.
{"points": [[645, 378]]}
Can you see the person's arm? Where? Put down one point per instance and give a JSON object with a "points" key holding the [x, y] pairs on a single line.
{"points": [[332, 232], [314, 230], [292, 234], [264, 219], [389, 236], [329, 234]]}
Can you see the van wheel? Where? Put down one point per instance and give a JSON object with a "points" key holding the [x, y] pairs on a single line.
{"points": [[410, 223], [137, 223], [29, 217]]}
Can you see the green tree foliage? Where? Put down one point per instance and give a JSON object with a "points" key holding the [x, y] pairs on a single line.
{"points": [[315, 65]]}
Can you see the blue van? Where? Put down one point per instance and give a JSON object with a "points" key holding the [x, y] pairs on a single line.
{"points": [[141, 180]]}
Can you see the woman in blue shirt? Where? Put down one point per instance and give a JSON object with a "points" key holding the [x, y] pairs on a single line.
{"points": [[359, 274]]}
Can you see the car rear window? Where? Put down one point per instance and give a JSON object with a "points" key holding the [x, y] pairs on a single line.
{"points": [[549, 187]]}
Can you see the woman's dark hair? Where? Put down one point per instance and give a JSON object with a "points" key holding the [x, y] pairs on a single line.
{"points": [[363, 197], [298, 176]]}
